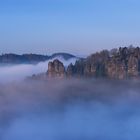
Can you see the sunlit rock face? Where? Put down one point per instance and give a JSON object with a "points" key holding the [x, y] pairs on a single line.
{"points": [[125, 64], [122, 63], [116, 69], [56, 69]]}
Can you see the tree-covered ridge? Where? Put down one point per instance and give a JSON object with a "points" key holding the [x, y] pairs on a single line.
{"points": [[118, 63]]}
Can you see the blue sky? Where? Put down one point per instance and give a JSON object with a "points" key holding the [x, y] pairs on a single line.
{"points": [[76, 26]]}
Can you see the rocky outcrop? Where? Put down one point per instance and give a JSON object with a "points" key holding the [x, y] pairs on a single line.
{"points": [[119, 63], [56, 69], [116, 69], [133, 66], [70, 70]]}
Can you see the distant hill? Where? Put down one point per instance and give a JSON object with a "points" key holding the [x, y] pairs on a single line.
{"points": [[66, 56], [31, 58]]}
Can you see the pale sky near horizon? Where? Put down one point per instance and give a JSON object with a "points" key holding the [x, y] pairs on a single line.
{"points": [[75, 26]]}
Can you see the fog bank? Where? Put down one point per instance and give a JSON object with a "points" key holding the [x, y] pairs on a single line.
{"points": [[70, 109], [21, 71]]}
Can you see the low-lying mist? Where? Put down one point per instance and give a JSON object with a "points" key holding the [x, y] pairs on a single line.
{"points": [[70, 110], [10, 73]]}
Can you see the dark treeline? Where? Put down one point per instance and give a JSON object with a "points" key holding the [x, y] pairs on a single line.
{"points": [[30, 58]]}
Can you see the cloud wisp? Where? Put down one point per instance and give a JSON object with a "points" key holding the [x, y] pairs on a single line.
{"points": [[20, 72]]}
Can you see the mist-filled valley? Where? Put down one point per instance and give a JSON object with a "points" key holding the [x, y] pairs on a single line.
{"points": [[18, 72], [46, 101], [70, 70], [72, 109]]}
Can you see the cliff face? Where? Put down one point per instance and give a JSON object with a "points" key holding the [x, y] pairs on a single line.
{"points": [[119, 63], [125, 64], [56, 69]]}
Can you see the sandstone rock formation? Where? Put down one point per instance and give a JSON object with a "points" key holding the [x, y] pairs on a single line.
{"points": [[119, 63], [56, 69]]}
